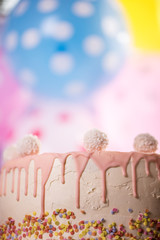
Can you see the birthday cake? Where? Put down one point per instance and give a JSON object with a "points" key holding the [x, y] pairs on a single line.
{"points": [[91, 194]]}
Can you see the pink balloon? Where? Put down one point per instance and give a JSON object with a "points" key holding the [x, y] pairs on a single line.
{"points": [[60, 126], [12, 103], [129, 105]]}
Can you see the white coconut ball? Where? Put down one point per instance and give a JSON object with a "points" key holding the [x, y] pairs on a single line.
{"points": [[95, 140], [145, 143], [28, 145], [10, 152]]}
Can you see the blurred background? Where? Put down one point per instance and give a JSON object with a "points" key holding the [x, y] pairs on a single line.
{"points": [[69, 66]]}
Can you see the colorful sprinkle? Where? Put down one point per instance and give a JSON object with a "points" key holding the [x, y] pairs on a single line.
{"points": [[34, 227], [83, 212], [114, 210], [130, 210]]}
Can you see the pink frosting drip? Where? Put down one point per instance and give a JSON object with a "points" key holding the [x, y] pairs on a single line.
{"points": [[103, 160], [81, 160], [136, 157], [62, 158], [13, 180]]}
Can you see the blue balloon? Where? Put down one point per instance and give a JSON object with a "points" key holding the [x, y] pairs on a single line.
{"points": [[65, 49]]}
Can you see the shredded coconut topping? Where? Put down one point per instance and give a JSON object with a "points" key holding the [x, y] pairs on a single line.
{"points": [[145, 143], [95, 140], [10, 152], [28, 145]]}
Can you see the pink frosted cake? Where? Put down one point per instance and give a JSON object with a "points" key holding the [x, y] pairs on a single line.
{"points": [[95, 194]]}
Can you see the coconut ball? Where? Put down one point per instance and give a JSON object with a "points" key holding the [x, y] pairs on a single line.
{"points": [[10, 152], [145, 143], [28, 145], [95, 140]]}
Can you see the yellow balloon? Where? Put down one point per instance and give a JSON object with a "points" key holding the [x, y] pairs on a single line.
{"points": [[143, 18]]}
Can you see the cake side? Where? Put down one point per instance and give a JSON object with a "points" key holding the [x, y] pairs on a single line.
{"points": [[86, 189]]}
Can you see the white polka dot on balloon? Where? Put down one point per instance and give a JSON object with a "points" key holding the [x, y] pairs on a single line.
{"points": [[22, 8], [61, 63], [11, 40], [93, 45], [27, 77], [123, 38], [74, 88], [110, 26], [59, 30], [45, 6], [83, 9], [30, 38], [110, 61]]}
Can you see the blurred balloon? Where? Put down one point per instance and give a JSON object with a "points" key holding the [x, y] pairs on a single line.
{"points": [[59, 126], [65, 49], [143, 18], [12, 104], [130, 105]]}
